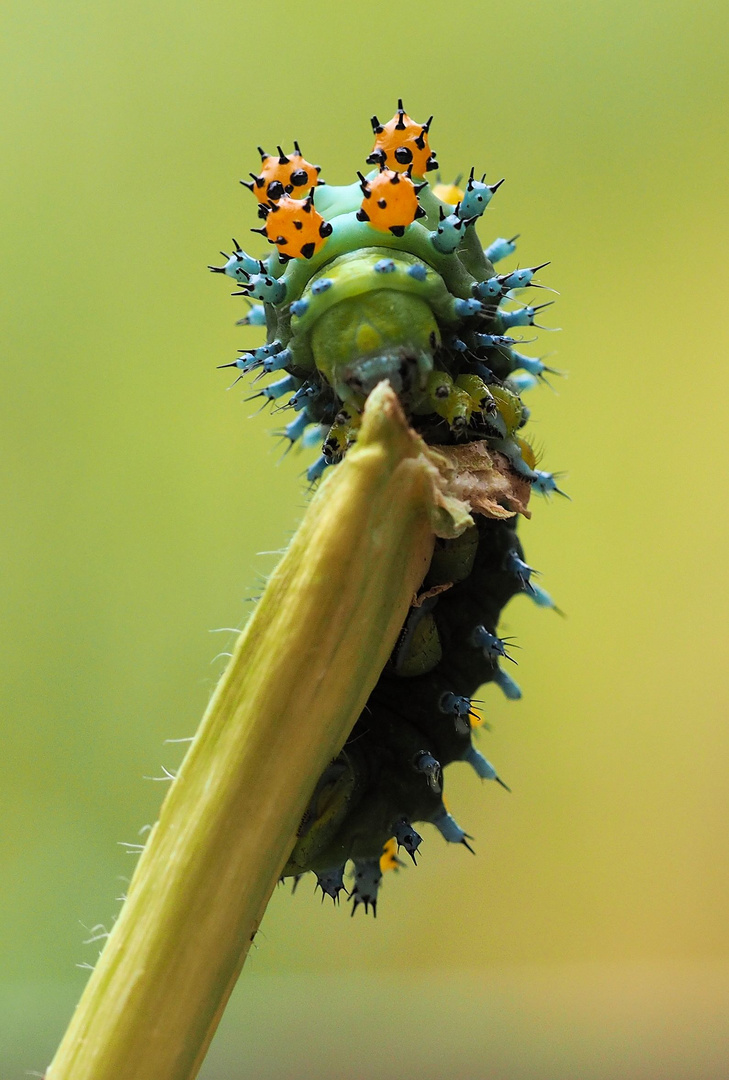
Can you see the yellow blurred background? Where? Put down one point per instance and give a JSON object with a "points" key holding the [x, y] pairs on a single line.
{"points": [[589, 938]]}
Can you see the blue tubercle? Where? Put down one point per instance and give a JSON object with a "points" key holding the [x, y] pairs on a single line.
{"points": [[481, 766], [449, 233], [239, 265], [314, 436], [476, 197], [282, 386], [315, 471], [255, 317], [277, 362], [493, 646], [506, 684], [523, 317], [467, 308], [305, 395], [458, 707], [331, 882], [522, 381], [264, 287], [296, 428], [546, 483], [453, 342], [385, 266], [542, 598], [531, 364], [519, 279], [417, 271], [406, 836], [501, 249], [522, 571], [489, 290], [450, 830], [495, 341]]}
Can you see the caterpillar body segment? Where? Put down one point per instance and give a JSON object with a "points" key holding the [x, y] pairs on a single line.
{"points": [[387, 278]]}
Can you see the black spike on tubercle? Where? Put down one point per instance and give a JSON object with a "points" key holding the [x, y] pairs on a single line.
{"points": [[263, 153], [400, 125], [376, 125]]}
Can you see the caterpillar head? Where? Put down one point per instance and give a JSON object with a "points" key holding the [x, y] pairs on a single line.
{"points": [[390, 201], [296, 228], [402, 144], [369, 337], [282, 175]]}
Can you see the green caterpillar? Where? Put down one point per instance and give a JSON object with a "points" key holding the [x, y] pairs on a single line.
{"points": [[386, 279]]}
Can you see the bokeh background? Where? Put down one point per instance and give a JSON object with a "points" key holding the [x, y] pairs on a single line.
{"points": [[589, 938]]}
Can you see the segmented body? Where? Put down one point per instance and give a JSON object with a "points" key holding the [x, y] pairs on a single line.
{"points": [[382, 279]]}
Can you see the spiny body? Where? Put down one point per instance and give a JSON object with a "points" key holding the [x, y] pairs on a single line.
{"points": [[385, 278]]}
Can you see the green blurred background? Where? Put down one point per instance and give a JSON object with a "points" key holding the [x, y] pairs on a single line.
{"points": [[589, 938]]}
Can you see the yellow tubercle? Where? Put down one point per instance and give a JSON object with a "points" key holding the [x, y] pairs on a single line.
{"points": [[449, 193], [388, 858], [510, 407], [529, 455]]}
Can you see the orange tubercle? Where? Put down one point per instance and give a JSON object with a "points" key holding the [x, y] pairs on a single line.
{"points": [[282, 175], [296, 227], [402, 144], [390, 202]]}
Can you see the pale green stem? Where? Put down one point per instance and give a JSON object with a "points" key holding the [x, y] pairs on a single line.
{"points": [[299, 677]]}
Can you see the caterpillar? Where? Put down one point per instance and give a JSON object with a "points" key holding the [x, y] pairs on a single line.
{"points": [[385, 278]]}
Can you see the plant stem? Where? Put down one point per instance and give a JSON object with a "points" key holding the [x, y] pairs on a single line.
{"points": [[299, 677]]}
